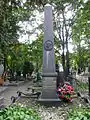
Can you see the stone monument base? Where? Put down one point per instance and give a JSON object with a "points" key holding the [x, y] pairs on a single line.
{"points": [[49, 93], [50, 102]]}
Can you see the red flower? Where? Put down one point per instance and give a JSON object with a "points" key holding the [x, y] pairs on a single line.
{"points": [[65, 92]]}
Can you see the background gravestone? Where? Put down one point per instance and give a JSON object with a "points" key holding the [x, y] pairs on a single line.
{"points": [[1, 69], [49, 72]]}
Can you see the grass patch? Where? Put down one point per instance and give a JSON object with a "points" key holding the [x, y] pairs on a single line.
{"points": [[83, 86], [79, 114], [80, 86], [18, 113]]}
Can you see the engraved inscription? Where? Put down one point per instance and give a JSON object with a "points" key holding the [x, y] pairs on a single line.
{"points": [[48, 45]]}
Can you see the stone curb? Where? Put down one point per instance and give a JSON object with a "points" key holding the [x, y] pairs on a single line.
{"points": [[15, 83], [1, 102]]}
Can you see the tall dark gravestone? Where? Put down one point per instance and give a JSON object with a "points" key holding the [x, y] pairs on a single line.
{"points": [[49, 72]]}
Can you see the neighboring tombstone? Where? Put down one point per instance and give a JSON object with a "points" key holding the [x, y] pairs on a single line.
{"points": [[79, 70], [38, 77], [86, 70], [49, 72], [1, 69]]}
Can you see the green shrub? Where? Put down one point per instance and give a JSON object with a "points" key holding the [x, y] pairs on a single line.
{"points": [[28, 68], [18, 113], [79, 114]]}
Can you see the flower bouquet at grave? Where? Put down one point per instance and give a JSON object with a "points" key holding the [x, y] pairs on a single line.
{"points": [[65, 92]]}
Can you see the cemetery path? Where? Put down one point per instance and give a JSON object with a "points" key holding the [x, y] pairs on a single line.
{"points": [[12, 91]]}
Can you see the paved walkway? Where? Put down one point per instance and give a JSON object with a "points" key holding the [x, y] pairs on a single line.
{"points": [[12, 91]]}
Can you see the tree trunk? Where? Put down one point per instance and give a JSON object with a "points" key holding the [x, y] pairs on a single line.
{"points": [[63, 61], [67, 63]]}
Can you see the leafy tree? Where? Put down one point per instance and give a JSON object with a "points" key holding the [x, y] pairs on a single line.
{"points": [[63, 25], [81, 33], [28, 68], [37, 52], [12, 12], [19, 53]]}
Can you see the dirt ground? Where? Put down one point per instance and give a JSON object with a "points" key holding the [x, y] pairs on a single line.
{"points": [[53, 112]]}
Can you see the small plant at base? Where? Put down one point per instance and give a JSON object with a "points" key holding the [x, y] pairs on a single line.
{"points": [[18, 113], [79, 114]]}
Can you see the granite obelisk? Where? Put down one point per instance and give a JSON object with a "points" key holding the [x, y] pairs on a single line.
{"points": [[48, 72], [48, 42]]}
